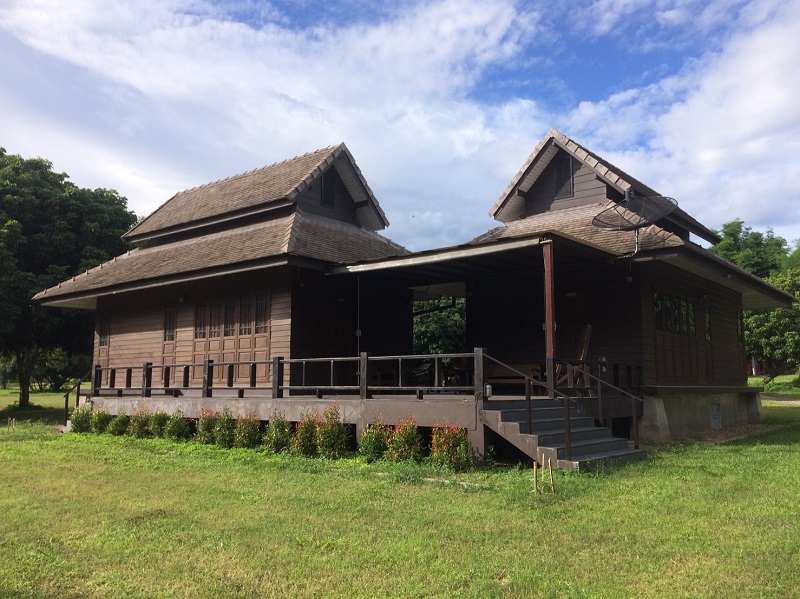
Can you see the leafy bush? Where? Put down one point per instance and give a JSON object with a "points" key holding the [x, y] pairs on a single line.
{"points": [[450, 448], [247, 430], [177, 427], [224, 430], [405, 442], [304, 441], [119, 424], [158, 423], [277, 436], [82, 419], [206, 422], [374, 440], [140, 423], [331, 434], [100, 420]]}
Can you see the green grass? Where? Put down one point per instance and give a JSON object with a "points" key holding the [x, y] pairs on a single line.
{"points": [[102, 516], [785, 385], [47, 407]]}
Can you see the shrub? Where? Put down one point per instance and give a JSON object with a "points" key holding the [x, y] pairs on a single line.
{"points": [[100, 420], [158, 423], [140, 423], [405, 442], [450, 448], [119, 424], [205, 426], [224, 430], [304, 441], [82, 419], [177, 427], [331, 434], [374, 440], [247, 430], [278, 435]]}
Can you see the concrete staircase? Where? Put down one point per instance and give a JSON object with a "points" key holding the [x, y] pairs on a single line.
{"points": [[592, 445]]}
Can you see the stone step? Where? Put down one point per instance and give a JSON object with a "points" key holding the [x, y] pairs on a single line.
{"points": [[580, 448], [598, 460]]}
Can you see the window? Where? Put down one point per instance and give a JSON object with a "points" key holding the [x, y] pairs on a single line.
{"points": [[200, 321], [262, 312], [563, 175], [244, 316], [673, 314], [229, 326], [707, 320], [103, 331], [170, 323], [214, 319]]}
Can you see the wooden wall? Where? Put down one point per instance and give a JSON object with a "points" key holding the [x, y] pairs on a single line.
{"points": [[343, 210]]}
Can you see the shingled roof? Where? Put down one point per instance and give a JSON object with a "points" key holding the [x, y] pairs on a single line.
{"points": [[250, 247], [260, 190], [510, 205]]}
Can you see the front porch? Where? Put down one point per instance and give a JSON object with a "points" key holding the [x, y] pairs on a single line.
{"points": [[546, 424]]}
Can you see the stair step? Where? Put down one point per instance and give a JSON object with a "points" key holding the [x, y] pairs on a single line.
{"points": [[549, 438], [580, 448], [596, 460], [521, 414]]}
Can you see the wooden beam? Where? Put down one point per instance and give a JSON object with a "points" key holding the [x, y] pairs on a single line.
{"points": [[549, 315]]}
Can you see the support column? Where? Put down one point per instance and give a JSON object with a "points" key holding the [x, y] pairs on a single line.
{"points": [[549, 315]]}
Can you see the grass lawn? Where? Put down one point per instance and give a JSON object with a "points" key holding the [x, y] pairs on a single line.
{"points": [[46, 407], [785, 385], [103, 516]]}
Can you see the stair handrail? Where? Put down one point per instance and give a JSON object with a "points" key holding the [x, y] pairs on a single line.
{"points": [[605, 384], [529, 381], [77, 388]]}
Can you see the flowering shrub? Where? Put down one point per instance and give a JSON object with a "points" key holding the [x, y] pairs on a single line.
{"points": [[331, 434], [246, 434], [140, 423], [205, 426], [374, 440], [82, 419], [224, 430], [177, 427], [278, 434], [304, 441], [158, 421], [405, 442], [450, 447], [119, 424], [100, 420]]}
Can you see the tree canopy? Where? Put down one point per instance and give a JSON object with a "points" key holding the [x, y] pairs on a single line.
{"points": [[762, 254], [50, 229]]}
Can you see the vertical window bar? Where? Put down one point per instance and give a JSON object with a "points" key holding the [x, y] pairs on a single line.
{"points": [[244, 316], [200, 321]]}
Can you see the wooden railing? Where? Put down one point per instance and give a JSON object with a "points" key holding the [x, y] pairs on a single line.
{"points": [[76, 388]]}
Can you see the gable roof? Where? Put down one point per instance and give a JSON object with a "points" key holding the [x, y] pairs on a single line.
{"points": [[261, 245], [511, 206], [260, 190]]}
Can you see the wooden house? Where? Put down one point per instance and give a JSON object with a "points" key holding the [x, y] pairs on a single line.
{"points": [[279, 277]]}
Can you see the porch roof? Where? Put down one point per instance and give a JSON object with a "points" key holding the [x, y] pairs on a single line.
{"points": [[271, 243]]}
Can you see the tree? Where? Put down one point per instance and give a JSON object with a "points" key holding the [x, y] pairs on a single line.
{"points": [[762, 254], [773, 336], [50, 229], [440, 326]]}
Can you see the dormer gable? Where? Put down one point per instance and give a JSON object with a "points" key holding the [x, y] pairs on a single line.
{"points": [[328, 177], [561, 173]]}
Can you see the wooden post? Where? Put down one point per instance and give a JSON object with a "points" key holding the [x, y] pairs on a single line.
{"points": [[167, 376], [112, 378], [66, 408], [277, 377], [147, 378], [363, 376], [208, 378], [229, 381], [549, 316], [480, 374], [252, 375], [185, 376], [97, 380], [128, 378]]}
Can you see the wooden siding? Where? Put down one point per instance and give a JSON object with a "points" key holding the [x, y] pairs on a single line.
{"points": [[588, 188], [310, 200], [136, 323], [674, 359]]}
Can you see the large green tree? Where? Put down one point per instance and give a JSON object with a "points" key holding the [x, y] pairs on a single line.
{"points": [[762, 254], [50, 229], [773, 336]]}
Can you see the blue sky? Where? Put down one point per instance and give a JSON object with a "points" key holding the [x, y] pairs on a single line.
{"points": [[440, 101]]}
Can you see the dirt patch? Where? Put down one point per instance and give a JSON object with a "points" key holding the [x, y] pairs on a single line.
{"points": [[710, 437]]}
